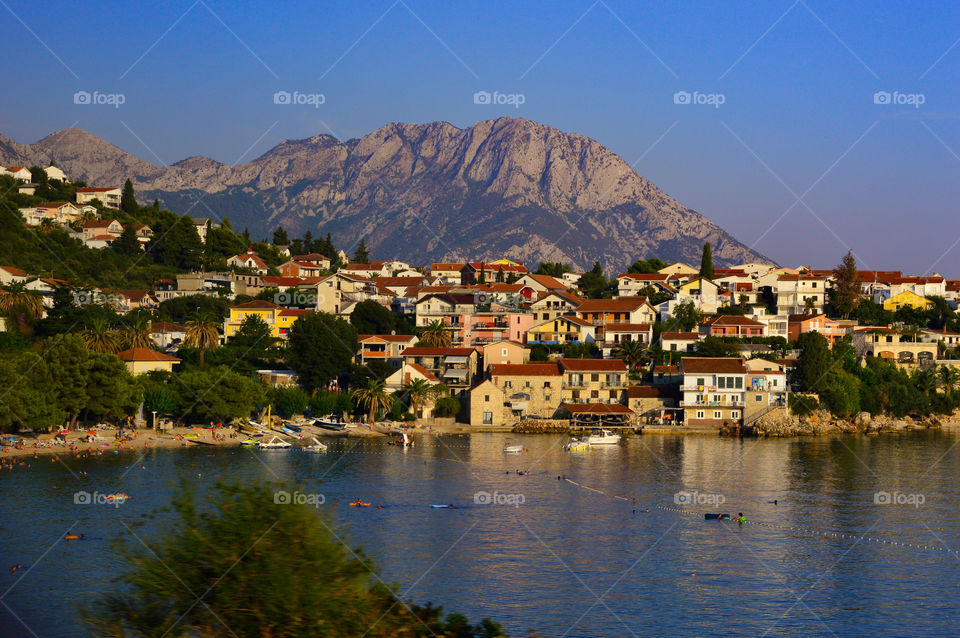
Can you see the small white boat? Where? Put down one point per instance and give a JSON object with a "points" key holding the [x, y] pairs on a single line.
{"points": [[316, 447], [602, 437], [276, 443], [576, 445], [512, 448]]}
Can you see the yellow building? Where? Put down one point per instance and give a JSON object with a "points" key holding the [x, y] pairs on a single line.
{"points": [[143, 360], [278, 318], [907, 298]]}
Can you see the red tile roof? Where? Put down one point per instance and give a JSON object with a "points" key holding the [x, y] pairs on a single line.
{"points": [[680, 336], [628, 327], [144, 354], [650, 392], [593, 365], [256, 304], [419, 368], [427, 351], [91, 189], [395, 338], [524, 370], [16, 272]]}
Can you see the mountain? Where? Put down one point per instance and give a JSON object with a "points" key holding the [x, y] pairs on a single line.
{"points": [[427, 192]]}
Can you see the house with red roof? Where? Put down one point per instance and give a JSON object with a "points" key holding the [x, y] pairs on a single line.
{"points": [[250, 260], [720, 391], [144, 360], [516, 391], [386, 348]]}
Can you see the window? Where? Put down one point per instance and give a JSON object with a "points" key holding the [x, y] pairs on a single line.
{"points": [[613, 394], [594, 394], [735, 414], [488, 418], [700, 381], [717, 414], [486, 398], [527, 384], [722, 382], [546, 384], [594, 377], [576, 395], [508, 384], [739, 383], [699, 414]]}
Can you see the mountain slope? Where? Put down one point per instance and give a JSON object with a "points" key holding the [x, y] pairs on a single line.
{"points": [[504, 187]]}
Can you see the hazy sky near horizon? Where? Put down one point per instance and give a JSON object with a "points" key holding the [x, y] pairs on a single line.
{"points": [[820, 126]]}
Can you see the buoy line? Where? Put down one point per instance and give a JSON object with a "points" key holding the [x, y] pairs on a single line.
{"points": [[787, 528]]}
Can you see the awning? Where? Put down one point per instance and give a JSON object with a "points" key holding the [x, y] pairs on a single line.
{"points": [[455, 359], [456, 374]]}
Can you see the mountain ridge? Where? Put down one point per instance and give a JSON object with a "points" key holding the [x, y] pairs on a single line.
{"points": [[501, 187]]}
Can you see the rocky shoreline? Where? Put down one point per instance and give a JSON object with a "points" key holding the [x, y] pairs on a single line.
{"points": [[821, 423]]}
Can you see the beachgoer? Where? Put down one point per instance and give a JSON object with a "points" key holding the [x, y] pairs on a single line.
{"points": [[741, 519]]}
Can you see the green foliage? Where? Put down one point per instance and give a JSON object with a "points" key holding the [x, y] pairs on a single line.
{"points": [[176, 242], [802, 405], [870, 313], [813, 363], [29, 396], [844, 294], [280, 237], [371, 318], [685, 316], [539, 353], [553, 269], [289, 400], [127, 244], [250, 348], [648, 266], [716, 347], [362, 255], [235, 548], [320, 346], [840, 392], [447, 407], [128, 199], [216, 393], [160, 400], [182, 309], [594, 284], [706, 262]]}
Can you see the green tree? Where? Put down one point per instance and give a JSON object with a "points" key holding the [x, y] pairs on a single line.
{"points": [[553, 269], [203, 333], [685, 316], [845, 293], [813, 363], [217, 393], [632, 352], [182, 309], [161, 400], [840, 392], [29, 397], [418, 392], [648, 266], [371, 318], [127, 243], [69, 362], [593, 283], [447, 407], [436, 334], [110, 388], [176, 243], [289, 400], [320, 346], [280, 237], [128, 199], [136, 333], [706, 262], [251, 583], [949, 377], [716, 347], [251, 346], [362, 255], [374, 398], [500, 278]]}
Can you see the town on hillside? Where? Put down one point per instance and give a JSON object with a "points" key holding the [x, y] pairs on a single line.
{"points": [[170, 307]]}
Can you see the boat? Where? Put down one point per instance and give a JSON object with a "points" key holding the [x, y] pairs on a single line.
{"points": [[250, 443], [317, 447], [276, 443], [512, 448], [290, 429], [406, 441], [329, 423], [359, 503], [443, 507], [576, 445], [602, 437]]}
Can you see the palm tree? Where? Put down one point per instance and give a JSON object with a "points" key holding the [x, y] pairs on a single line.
{"points": [[948, 378], [100, 337], [136, 334], [46, 226], [633, 353], [418, 392], [16, 298], [203, 333], [436, 335], [374, 398], [926, 381]]}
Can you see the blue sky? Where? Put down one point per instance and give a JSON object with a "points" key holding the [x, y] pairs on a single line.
{"points": [[798, 160]]}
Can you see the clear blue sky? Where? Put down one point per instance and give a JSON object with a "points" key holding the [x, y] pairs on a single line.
{"points": [[797, 81]]}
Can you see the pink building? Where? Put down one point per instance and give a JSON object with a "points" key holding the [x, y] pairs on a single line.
{"points": [[733, 326], [481, 328]]}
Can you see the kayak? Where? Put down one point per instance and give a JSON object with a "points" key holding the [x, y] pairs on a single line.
{"points": [[360, 504], [71, 537], [442, 507]]}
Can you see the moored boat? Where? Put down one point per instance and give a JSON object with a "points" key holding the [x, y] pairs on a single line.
{"points": [[276, 443], [602, 437]]}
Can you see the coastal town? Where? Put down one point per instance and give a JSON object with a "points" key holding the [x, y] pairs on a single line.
{"points": [[479, 344]]}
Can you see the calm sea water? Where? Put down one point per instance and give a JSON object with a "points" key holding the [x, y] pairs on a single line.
{"points": [[568, 561]]}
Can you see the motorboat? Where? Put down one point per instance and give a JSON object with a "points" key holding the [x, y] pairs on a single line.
{"points": [[512, 448], [316, 447], [576, 445], [290, 429], [602, 437], [250, 443], [276, 443], [329, 422]]}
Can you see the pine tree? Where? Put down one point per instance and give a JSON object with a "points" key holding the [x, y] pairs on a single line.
{"points": [[706, 263], [845, 294], [482, 279], [308, 242], [128, 200], [280, 237], [362, 255], [156, 204], [127, 243], [500, 276]]}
